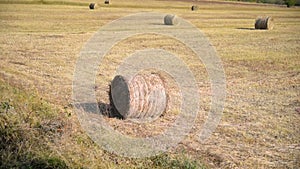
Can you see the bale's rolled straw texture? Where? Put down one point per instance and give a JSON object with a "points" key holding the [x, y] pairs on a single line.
{"points": [[264, 23], [92, 5], [170, 20], [142, 98], [194, 8]]}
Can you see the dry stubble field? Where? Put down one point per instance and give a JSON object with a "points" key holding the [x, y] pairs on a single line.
{"points": [[40, 43]]}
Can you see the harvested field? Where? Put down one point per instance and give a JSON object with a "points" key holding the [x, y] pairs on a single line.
{"points": [[40, 42]]}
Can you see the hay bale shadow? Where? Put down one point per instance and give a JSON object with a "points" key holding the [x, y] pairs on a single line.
{"points": [[246, 28], [105, 109], [156, 24]]}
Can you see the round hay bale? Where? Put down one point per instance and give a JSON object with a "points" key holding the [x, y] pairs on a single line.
{"points": [[264, 23], [106, 2], [92, 5], [194, 8], [170, 20], [143, 98]]}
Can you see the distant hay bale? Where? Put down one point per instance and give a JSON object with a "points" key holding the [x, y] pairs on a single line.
{"points": [[194, 8], [264, 23], [106, 2], [92, 5], [170, 20]]}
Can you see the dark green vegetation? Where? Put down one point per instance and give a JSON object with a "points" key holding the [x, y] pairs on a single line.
{"points": [[289, 3], [25, 130]]}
